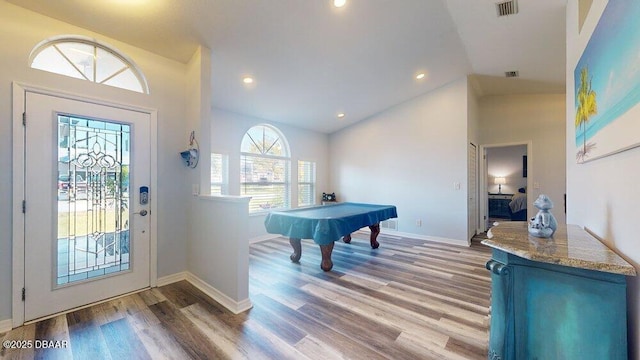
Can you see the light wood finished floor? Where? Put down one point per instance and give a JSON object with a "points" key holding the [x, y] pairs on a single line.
{"points": [[409, 299]]}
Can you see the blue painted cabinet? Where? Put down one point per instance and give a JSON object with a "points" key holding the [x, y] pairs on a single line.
{"points": [[547, 311], [499, 205]]}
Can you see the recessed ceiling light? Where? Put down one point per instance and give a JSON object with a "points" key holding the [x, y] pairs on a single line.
{"points": [[247, 80], [340, 115], [420, 76], [339, 3]]}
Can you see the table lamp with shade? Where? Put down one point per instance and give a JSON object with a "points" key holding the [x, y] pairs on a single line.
{"points": [[500, 181]]}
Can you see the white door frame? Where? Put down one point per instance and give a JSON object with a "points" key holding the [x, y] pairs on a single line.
{"points": [[483, 199], [475, 194], [18, 266]]}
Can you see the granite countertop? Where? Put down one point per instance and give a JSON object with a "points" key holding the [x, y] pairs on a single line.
{"points": [[570, 246]]}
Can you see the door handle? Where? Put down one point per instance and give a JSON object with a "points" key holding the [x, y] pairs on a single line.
{"points": [[142, 212]]}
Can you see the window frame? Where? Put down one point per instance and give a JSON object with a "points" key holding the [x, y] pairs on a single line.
{"points": [[67, 39], [285, 158], [311, 184], [224, 174]]}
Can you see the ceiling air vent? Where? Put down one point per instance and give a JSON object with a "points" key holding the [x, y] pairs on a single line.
{"points": [[511, 74], [505, 8]]}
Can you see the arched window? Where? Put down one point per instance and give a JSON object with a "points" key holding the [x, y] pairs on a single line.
{"points": [[265, 168], [85, 58]]}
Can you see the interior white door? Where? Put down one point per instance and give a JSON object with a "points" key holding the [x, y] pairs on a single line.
{"points": [[86, 223], [472, 206], [484, 191]]}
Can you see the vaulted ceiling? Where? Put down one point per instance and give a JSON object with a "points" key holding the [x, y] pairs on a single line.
{"points": [[311, 60]]}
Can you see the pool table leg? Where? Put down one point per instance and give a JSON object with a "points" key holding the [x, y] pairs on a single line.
{"points": [[297, 249], [375, 230], [347, 238], [326, 251]]}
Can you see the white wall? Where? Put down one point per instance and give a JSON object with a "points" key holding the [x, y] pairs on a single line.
{"points": [[603, 195], [410, 156], [198, 120], [20, 31], [227, 130], [473, 114], [219, 249], [473, 133], [540, 119]]}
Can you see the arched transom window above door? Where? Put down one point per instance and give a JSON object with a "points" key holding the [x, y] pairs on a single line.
{"points": [[87, 59]]}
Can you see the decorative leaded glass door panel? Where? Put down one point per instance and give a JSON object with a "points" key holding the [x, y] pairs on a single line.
{"points": [[93, 197], [86, 231]]}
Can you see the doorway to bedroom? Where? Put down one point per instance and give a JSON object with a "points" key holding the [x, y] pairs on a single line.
{"points": [[505, 173]]}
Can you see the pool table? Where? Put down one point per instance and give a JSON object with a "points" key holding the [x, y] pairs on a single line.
{"points": [[326, 224]]}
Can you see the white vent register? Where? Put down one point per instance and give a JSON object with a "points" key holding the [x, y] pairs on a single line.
{"points": [[389, 224], [505, 8]]}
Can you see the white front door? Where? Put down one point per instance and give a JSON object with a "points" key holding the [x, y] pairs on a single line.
{"points": [[86, 224]]}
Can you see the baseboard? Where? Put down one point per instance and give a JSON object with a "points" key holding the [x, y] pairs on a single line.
{"points": [[426, 237], [224, 300], [233, 306], [6, 325], [387, 232], [170, 279], [261, 238]]}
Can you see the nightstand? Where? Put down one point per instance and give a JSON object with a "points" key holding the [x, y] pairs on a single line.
{"points": [[499, 205]]}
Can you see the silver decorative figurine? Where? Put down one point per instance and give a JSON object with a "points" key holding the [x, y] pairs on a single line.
{"points": [[544, 224]]}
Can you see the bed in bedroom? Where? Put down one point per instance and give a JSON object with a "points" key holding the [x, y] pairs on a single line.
{"points": [[518, 206]]}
